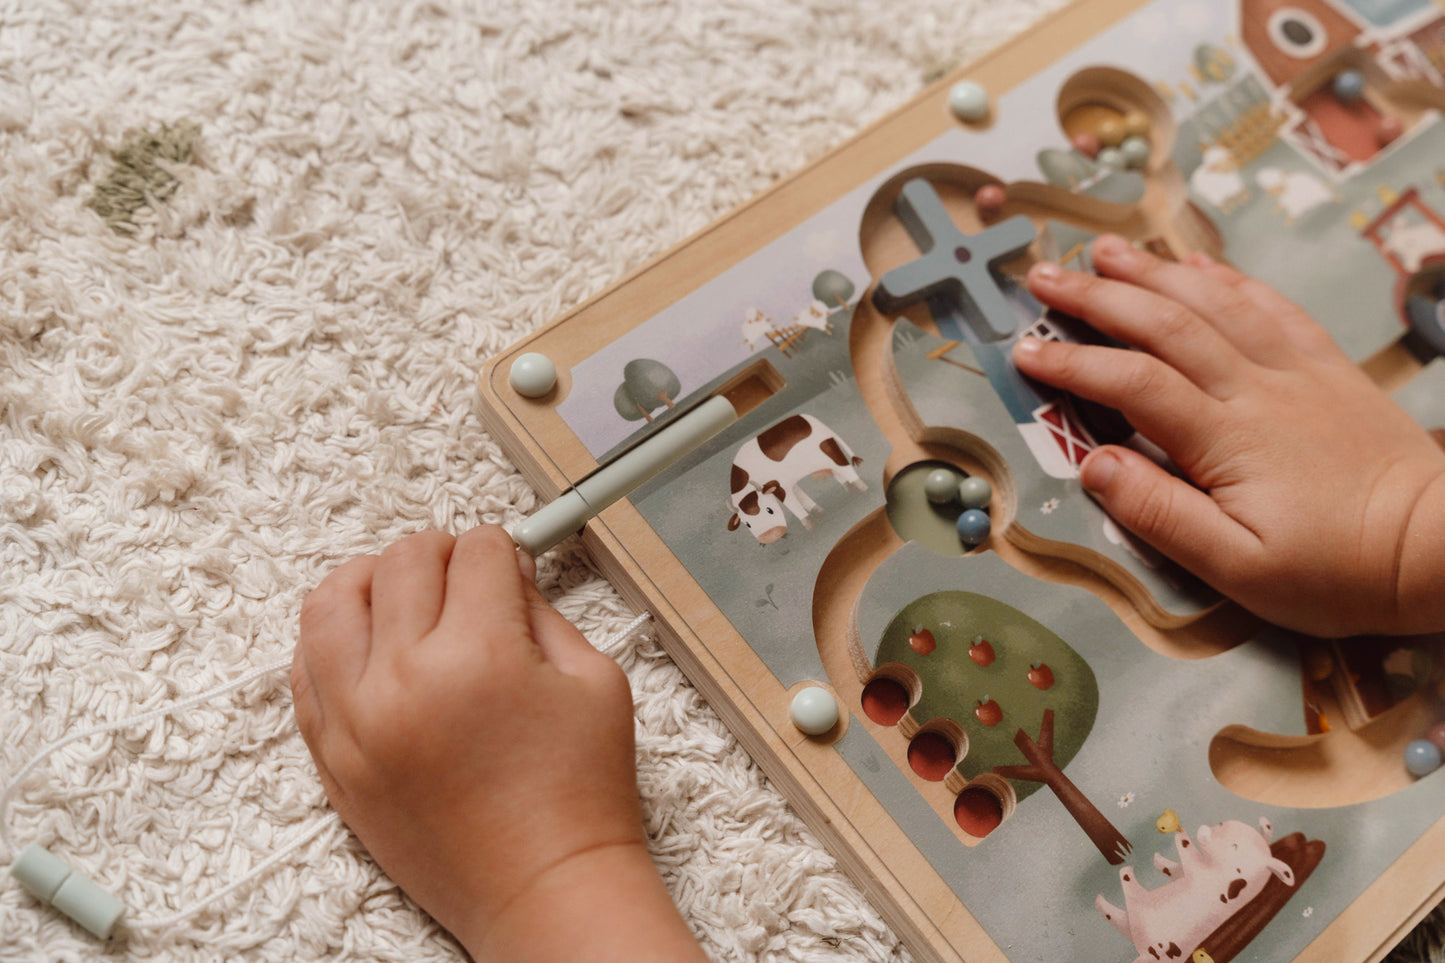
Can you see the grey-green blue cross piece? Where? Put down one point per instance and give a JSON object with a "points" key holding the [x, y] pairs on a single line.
{"points": [[953, 263]]}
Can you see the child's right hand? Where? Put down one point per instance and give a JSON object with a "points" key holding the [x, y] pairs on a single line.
{"points": [[482, 751], [1316, 502]]}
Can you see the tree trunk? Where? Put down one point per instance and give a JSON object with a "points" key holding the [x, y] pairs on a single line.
{"points": [[1110, 842]]}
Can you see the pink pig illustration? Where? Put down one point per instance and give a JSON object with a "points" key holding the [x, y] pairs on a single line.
{"points": [[1223, 870]]}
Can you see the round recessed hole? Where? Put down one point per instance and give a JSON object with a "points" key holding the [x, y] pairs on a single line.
{"points": [[917, 517], [978, 811], [885, 701], [931, 756]]}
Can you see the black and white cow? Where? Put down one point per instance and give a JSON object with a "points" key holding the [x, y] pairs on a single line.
{"points": [[767, 470]]}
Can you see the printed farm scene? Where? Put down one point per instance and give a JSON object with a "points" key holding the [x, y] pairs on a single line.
{"points": [[1055, 715]]}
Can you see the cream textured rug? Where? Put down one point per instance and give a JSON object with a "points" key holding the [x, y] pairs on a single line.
{"points": [[251, 257]]}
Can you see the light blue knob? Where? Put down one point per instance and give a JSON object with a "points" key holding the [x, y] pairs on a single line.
{"points": [[973, 527], [1348, 86], [1422, 757]]}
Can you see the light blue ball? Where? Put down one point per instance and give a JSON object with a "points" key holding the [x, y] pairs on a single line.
{"points": [[975, 492], [1422, 757], [1348, 85], [941, 486], [968, 101], [973, 527]]}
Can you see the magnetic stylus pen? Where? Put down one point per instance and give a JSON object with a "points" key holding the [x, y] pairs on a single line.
{"points": [[617, 479]]}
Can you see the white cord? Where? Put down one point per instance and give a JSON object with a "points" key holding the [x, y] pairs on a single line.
{"points": [[614, 643], [307, 834], [183, 704], [301, 838]]}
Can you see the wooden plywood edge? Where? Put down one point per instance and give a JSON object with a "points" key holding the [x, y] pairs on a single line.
{"points": [[1368, 929]]}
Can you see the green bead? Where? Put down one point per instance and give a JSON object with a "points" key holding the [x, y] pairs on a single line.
{"points": [[941, 486], [975, 492], [1135, 151]]}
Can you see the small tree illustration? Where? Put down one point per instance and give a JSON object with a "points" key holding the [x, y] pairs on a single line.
{"points": [[646, 386], [833, 289]]}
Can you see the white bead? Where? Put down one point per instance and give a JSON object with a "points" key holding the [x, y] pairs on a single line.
{"points": [[968, 101], [814, 710], [533, 375]]}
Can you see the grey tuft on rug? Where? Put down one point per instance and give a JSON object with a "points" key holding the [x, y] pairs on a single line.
{"points": [[251, 258]]}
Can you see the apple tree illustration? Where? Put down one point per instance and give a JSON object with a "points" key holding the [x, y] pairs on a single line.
{"points": [[1021, 699], [647, 385]]}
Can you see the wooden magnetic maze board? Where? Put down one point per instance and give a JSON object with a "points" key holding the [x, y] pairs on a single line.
{"points": [[1053, 745]]}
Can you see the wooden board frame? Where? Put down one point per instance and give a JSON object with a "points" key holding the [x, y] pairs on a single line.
{"points": [[848, 820]]}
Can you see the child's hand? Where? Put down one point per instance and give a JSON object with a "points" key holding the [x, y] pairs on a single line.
{"points": [[1320, 505], [482, 751]]}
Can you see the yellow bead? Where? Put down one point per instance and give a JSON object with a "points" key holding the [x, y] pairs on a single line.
{"points": [[1110, 132], [1136, 124]]}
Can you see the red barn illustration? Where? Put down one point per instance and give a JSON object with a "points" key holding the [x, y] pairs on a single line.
{"points": [[1301, 45]]}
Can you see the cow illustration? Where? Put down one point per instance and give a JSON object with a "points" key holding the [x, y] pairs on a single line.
{"points": [[1225, 867], [768, 469]]}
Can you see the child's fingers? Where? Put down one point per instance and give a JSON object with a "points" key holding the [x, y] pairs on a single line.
{"points": [[485, 589], [1298, 328], [560, 641], [1176, 518], [528, 565], [410, 587], [562, 644], [1159, 325], [335, 639], [1157, 400], [1237, 315]]}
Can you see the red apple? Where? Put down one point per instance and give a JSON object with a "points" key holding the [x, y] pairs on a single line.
{"points": [[988, 712], [981, 651], [922, 642], [1041, 676]]}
